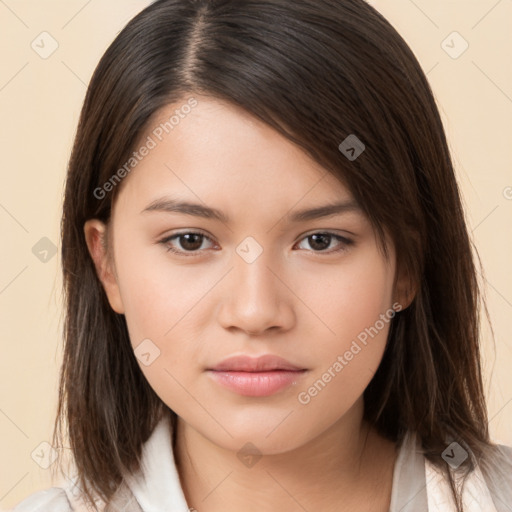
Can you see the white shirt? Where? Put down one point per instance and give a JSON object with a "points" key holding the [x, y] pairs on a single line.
{"points": [[417, 485]]}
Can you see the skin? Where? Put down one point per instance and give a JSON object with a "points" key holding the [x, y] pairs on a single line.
{"points": [[303, 303]]}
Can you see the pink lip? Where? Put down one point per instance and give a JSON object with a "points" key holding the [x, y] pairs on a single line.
{"points": [[264, 363], [262, 376]]}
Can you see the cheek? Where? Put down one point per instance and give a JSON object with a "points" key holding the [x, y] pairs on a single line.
{"points": [[168, 314], [158, 296], [353, 310], [347, 299], [162, 303]]}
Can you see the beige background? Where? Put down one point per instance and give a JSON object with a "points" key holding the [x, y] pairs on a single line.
{"points": [[40, 100]]}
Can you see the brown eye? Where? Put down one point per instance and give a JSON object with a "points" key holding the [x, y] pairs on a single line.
{"points": [[187, 242], [190, 241], [321, 241]]}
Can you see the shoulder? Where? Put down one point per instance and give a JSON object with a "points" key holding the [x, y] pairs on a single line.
{"points": [[503, 454], [496, 469], [66, 499], [487, 487], [53, 499]]}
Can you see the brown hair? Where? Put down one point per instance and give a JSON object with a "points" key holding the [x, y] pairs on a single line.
{"points": [[316, 71]]}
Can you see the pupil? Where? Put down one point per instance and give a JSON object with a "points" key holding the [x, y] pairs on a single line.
{"points": [[191, 245], [315, 241]]}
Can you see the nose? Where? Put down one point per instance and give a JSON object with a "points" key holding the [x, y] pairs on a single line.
{"points": [[256, 300]]}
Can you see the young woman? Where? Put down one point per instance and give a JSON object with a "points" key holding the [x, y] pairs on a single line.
{"points": [[271, 298]]}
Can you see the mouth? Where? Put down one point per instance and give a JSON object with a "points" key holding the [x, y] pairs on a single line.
{"points": [[262, 376]]}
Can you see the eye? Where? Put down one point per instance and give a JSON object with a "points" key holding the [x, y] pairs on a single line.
{"points": [[321, 240], [190, 242]]}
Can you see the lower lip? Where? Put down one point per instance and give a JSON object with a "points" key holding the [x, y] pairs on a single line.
{"points": [[256, 383]]}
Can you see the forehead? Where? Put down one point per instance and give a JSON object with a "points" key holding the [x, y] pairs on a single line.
{"points": [[219, 154]]}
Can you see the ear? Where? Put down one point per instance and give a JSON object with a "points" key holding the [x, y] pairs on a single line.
{"points": [[96, 238], [405, 290]]}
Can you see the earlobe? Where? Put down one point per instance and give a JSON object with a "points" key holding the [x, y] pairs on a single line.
{"points": [[95, 233]]}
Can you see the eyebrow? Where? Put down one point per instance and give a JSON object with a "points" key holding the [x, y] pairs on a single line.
{"points": [[170, 205]]}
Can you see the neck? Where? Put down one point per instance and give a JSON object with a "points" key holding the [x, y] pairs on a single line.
{"points": [[348, 462]]}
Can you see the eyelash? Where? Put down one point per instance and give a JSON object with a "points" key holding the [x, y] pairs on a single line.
{"points": [[165, 242]]}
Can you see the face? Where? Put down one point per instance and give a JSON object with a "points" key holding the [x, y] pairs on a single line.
{"points": [[309, 295]]}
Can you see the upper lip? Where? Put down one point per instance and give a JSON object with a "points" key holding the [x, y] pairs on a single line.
{"points": [[263, 363]]}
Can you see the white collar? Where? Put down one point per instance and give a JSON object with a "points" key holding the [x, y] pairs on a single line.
{"points": [[156, 486]]}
